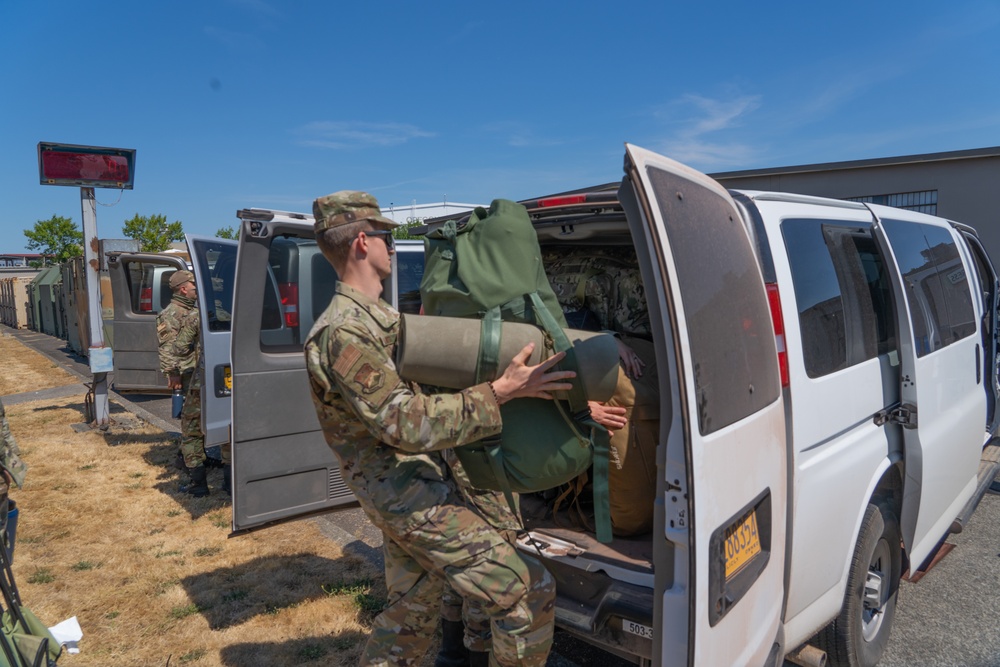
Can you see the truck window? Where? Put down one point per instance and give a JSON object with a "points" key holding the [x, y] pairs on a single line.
{"points": [[409, 271], [936, 284], [842, 294], [728, 321]]}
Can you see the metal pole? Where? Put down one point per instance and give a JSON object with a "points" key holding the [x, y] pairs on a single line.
{"points": [[101, 360]]}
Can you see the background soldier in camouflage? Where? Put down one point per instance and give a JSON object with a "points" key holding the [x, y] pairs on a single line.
{"points": [[178, 328], [388, 436], [13, 471]]}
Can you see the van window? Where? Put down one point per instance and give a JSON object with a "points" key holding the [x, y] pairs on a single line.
{"points": [[936, 283], [149, 286], [297, 289], [728, 320], [409, 273], [217, 262], [842, 294]]}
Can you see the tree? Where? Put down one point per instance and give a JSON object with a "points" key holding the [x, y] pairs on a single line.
{"points": [[228, 233], [57, 238], [153, 232]]}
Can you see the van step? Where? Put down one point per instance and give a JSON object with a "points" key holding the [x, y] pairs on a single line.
{"points": [[989, 466]]}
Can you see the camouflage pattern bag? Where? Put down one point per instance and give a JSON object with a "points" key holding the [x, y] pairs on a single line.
{"points": [[490, 268]]}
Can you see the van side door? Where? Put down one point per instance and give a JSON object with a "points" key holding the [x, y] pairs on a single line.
{"points": [[943, 409], [282, 466], [719, 564], [214, 263], [140, 290], [988, 288]]}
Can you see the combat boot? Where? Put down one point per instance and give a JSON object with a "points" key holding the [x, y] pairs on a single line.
{"points": [[227, 479], [453, 652], [479, 659], [198, 486]]}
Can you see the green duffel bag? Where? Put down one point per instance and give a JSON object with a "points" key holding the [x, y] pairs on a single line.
{"points": [[490, 268]]}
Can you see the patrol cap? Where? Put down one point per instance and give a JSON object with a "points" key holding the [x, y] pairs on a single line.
{"points": [[347, 206], [178, 278]]}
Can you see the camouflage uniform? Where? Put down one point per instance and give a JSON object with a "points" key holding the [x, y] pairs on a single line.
{"points": [[178, 327], [11, 461], [388, 437], [492, 506]]}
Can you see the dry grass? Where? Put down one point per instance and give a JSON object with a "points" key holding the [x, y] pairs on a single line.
{"points": [[26, 370], [151, 574]]}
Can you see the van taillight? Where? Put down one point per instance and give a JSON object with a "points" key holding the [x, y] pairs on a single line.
{"points": [[146, 300], [774, 301], [290, 303]]}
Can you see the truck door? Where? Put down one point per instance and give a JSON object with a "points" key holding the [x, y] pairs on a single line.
{"points": [[719, 564], [214, 264], [139, 291], [282, 466], [943, 405]]}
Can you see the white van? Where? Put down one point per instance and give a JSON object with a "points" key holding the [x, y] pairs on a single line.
{"points": [[827, 384]]}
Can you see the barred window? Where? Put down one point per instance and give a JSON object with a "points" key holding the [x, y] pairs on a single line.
{"points": [[924, 201]]}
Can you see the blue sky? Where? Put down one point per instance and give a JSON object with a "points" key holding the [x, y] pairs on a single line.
{"points": [[259, 103]]}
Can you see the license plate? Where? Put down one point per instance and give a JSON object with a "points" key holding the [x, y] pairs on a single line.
{"points": [[638, 629], [227, 378], [742, 543]]}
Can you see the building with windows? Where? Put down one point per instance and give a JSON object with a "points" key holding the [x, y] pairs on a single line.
{"points": [[415, 214], [955, 185]]}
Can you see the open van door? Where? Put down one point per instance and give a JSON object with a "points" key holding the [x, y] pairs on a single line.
{"points": [[214, 263], [719, 561], [140, 290], [939, 346], [282, 466]]}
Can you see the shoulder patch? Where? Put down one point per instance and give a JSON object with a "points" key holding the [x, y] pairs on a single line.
{"points": [[347, 358]]}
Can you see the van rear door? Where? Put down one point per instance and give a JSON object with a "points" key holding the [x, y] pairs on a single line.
{"points": [[943, 404], [282, 466], [139, 291], [719, 563], [214, 264]]}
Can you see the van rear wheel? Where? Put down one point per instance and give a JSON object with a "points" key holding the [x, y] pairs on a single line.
{"points": [[859, 634]]}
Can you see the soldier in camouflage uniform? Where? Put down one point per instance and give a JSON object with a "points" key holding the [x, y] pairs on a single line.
{"points": [[178, 328], [388, 437], [12, 472]]}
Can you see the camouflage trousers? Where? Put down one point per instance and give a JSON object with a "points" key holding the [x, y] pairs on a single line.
{"points": [[457, 547], [493, 507], [192, 441]]}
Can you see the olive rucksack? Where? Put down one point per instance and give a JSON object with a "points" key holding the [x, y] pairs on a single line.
{"points": [[490, 268]]}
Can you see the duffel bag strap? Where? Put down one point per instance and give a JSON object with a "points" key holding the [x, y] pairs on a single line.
{"points": [[494, 452], [490, 328], [577, 399], [601, 442]]}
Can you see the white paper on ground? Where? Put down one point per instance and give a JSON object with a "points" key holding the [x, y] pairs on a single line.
{"points": [[68, 633]]}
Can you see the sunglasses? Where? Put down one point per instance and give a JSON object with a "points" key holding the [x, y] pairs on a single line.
{"points": [[390, 242]]}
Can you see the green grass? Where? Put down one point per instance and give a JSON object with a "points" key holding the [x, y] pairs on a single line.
{"points": [[173, 513], [312, 652], [111, 615], [168, 554], [191, 656], [207, 551], [84, 565], [89, 466], [235, 596], [220, 521], [184, 611], [41, 575]]}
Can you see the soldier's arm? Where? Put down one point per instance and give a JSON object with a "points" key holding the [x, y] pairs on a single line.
{"points": [[184, 342], [166, 333], [392, 410]]}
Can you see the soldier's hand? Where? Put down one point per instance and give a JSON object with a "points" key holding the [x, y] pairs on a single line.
{"points": [[609, 416], [174, 382], [522, 381]]}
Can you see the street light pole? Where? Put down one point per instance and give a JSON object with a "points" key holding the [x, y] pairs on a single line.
{"points": [[100, 356]]}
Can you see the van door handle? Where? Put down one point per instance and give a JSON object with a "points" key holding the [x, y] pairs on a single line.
{"points": [[979, 366]]}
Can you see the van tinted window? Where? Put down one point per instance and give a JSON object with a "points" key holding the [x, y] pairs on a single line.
{"points": [[728, 319], [842, 294], [297, 290], [936, 284], [409, 272], [217, 261]]}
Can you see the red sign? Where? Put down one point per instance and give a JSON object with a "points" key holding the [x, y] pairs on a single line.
{"points": [[86, 166]]}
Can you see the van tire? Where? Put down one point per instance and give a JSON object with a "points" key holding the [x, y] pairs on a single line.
{"points": [[859, 634]]}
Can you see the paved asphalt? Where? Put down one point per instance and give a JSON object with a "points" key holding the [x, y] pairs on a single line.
{"points": [[951, 617]]}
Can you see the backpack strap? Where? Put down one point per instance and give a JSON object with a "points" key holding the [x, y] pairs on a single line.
{"points": [[490, 328], [577, 399], [495, 455]]}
